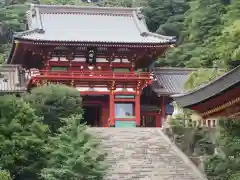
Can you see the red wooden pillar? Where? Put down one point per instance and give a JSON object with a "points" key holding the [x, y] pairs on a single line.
{"points": [[46, 66], [158, 120], [137, 109], [111, 113], [163, 110], [47, 57], [70, 66]]}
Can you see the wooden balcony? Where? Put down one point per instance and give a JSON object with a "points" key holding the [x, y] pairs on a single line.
{"points": [[90, 75]]}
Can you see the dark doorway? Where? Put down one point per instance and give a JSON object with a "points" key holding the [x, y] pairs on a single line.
{"points": [[91, 115], [148, 121]]}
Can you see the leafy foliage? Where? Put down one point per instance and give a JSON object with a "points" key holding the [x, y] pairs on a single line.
{"points": [[200, 77], [23, 139], [12, 19], [115, 3], [75, 154], [54, 102], [229, 51], [226, 163], [165, 16], [28, 149], [192, 139], [4, 175], [202, 22]]}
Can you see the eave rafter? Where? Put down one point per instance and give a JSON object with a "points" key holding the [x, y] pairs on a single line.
{"points": [[96, 44], [223, 107], [110, 51], [138, 56]]}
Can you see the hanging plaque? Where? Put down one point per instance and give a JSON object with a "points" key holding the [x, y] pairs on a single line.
{"points": [[91, 56]]}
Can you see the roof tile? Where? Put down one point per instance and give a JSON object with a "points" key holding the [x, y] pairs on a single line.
{"points": [[89, 24], [209, 90], [170, 80]]}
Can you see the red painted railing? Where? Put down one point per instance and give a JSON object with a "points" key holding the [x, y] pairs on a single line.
{"points": [[89, 75]]}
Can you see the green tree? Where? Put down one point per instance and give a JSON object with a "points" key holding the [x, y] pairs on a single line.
{"points": [[54, 102], [4, 175], [200, 77], [115, 3], [66, 2], [189, 136], [165, 16], [202, 23], [226, 46], [23, 138], [12, 19], [226, 163], [75, 154]]}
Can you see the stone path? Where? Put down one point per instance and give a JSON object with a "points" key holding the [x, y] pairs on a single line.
{"points": [[144, 154]]}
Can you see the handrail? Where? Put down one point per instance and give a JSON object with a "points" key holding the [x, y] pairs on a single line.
{"points": [[101, 74]]}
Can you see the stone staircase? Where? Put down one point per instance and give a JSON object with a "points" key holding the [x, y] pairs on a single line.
{"points": [[144, 154]]}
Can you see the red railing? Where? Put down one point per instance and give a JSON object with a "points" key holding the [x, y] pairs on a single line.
{"points": [[90, 75]]}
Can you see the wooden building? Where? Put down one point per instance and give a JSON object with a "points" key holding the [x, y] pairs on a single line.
{"points": [[156, 100], [105, 53], [220, 97], [12, 80]]}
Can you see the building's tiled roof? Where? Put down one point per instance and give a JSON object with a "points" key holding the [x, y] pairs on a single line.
{"points": [[170, 80], [209, 90], [10, 79], [89, 24]]}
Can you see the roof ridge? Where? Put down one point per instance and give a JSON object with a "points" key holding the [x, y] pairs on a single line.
{"points": [[39, 19], [35, 13], [185, 69], [176, 68], [107, 9], [158, 35], [216, 80], [27, 32], [138, 18]]}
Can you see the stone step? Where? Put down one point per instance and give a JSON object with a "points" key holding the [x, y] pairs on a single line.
{"points": [[144, 154]]}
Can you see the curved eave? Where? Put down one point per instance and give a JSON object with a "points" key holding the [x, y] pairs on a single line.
{"points": [[209, 90], [95, 43], [10, 56], [88, 8]]}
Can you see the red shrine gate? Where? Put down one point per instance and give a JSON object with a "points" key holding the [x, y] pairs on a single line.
{"points": [[107, 64]]}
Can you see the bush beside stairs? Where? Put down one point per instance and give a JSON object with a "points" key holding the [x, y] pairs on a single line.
{"points": [[144, 154]]}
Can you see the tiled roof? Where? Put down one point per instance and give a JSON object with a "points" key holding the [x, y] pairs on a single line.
{"points": [[10, 80], [209, 90], [170, 80], [89, 24]]}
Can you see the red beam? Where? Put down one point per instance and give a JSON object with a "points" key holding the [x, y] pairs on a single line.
{"points": [[89, 78], [94, 93], [124, 100], [124, 93], [92, 103], [91, 75], [79, 64], [149, 113], [93, 72]]}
